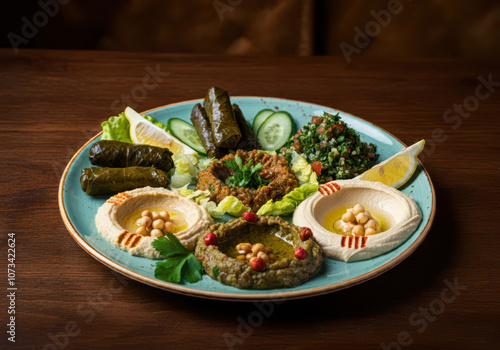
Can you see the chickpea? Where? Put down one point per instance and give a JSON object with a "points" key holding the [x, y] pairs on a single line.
{"points": [[149, 229], [347, 228], [244, 248], [146, 213], [164, 216], [138, 222], [358, 230], [269, 250], [348, 217], [258, 247], [146, 221], [158, 224], [155, 216], [372, 223], [272, 257], [169, 227], [361, 218], [249, 256], [263, 256], [156, 233], [358, 208], [368, 214], [241, 258], [141, 231], [370, 231], [338, 226]]}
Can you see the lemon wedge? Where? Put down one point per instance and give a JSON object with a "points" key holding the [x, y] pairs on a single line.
{"points": [[144, 132], [398, 169]]}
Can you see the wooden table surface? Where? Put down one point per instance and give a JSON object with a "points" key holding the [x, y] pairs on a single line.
{"points": [[53, 101]]}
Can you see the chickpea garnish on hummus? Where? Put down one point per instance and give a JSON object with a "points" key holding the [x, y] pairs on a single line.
{"points": [[154, 224], [358, 222]]}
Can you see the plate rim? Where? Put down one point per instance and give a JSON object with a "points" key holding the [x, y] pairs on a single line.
{"points": [[273, 296]]}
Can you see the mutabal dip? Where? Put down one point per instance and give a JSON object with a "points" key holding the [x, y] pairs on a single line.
{"points": [[266, 254]]}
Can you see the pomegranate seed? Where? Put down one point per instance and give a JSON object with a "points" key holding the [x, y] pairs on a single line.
{"points": [[300, 253], [305, 233], [258, 264], [211, 239], [250, 217]]}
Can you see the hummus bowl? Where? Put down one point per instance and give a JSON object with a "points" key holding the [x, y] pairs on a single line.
{"points": [[113, 216], [78, 211], [400, 212]]}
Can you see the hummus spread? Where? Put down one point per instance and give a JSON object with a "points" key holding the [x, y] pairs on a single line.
{"points": [[112, 216], [401, 216]]}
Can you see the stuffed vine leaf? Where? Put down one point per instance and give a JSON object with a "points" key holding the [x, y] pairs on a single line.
{"points": [[117, 154], [98, 181], [248, 141], [225, 128], [201, 123]]}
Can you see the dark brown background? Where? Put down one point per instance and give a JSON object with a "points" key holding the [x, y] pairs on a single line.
{"points": [[425, 62], [432, 28]]}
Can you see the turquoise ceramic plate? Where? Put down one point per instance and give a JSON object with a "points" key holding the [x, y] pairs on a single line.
{"points": [[78, 211]]}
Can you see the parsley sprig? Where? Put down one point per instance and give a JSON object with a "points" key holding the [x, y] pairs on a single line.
{"points": [[179, 264], [244, 175]]}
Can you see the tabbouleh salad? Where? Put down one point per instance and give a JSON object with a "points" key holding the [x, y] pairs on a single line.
{"points": [[334, 150]]}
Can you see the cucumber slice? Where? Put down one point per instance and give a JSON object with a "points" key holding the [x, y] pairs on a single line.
{"points": [[260, 118], [275, 132], [186, 133]]}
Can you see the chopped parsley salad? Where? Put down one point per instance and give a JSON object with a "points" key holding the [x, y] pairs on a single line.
{"points": [[334, 150]]}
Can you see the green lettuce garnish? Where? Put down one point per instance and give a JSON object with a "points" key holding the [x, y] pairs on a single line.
{"points": [[290, 201], [118, 128], [303, 170], [229, 205], [187, 168]]}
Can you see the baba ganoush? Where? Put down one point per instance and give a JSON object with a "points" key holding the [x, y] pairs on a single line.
{"points": [[298, 257], [128, 221], [396, 214]]}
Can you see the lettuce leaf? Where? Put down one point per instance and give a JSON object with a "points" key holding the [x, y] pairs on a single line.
{"points": [[289, 202], [229, 205], [303, 170], [187, 168], [118, 128]]}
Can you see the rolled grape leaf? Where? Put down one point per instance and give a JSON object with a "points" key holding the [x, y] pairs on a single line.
{"points": [[98, 181], [225, 128], [201, 123], [115, 154], [248, 141]]}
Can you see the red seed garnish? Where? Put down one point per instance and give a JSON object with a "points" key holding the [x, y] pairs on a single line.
{"points": [[211, 239], [305, 233], [258, 264], [300, 253], [250, 217]]}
